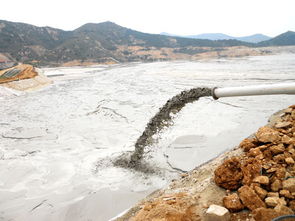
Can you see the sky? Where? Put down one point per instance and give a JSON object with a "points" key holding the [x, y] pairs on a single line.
{"points": [[182, 17]]}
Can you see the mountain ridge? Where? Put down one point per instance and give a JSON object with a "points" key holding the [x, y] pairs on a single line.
{"points": [[99, 43], [255, 38]]}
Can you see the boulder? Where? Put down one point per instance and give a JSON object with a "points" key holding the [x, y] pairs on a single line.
{"points": [[289, 184], [276, 185], [267, 135], [228, 175], [249, 198], [233, 203], [217, 213], [276, 149], [248, 144], [250, 168], [260, 192], [289, 160], [264, 214], [283, 124], [262, 180], [274, 201]]}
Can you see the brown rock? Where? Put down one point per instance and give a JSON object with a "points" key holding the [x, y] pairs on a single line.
{"points": [[260, 192], [283, 124], [286, 139], [276, 149], [268, 135], [261, 179], [289, 160], [280, 158], [273, 194], [233, 203], [283, 209], [250, 168], [273, 201], [286, 194], [248, 144], [288, 110], [249, 198], [254, 152], [263, 214], [228, 175], [276, 185], [280, 172], [289, 184]]}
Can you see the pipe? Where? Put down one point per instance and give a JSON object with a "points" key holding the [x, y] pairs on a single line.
{"points": [[268, 89]]}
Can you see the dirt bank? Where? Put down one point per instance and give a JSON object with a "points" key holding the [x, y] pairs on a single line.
{"points": [[23, 77], [254, 181]]}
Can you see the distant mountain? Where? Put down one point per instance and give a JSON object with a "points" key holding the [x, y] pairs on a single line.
{"points": [[219, 36], [96, 42], [287, 38], [256, 38], [211, 36]]}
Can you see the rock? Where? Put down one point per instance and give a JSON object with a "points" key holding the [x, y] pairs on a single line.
{"points": [[288, 110], [273, 201], [217, 213], [254, 152], [249, 198], [276, 149], [248, 144], [289, 184], [260, 192], [286, 194], [273, 194], [261, 179], [263, 214], [228, 175], [250, 168], [276, 185], [283, 124], [289, 160], [283, 209], [267, 135], [286, 139], [280, 158], [233, 203], [280, 172]]}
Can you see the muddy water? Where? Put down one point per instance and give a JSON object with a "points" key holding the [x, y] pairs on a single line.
{"points": [[57, 144]]}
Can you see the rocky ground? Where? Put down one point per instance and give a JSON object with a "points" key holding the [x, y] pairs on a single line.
{"points": [[255, 181]]}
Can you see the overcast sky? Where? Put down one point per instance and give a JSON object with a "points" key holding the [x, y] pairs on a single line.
{"points": [[183, 17]]}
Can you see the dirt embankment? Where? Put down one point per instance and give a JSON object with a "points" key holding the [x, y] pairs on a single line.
{"points": [[255, 181], [23, 77], [16, 73]]}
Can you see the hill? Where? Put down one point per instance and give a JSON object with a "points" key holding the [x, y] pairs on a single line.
{"points": [[107, 42], [256, 38], [100, 42], [287, 38]]}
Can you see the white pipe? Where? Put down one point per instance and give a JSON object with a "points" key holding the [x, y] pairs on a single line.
{"points": [[281, 88]]}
